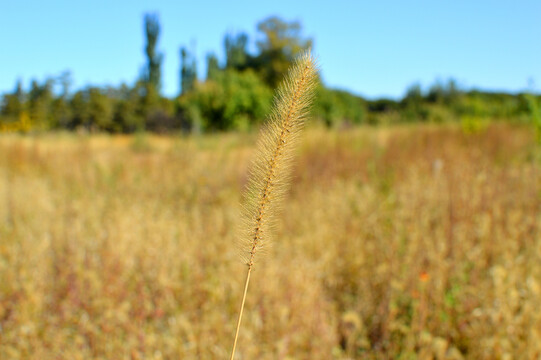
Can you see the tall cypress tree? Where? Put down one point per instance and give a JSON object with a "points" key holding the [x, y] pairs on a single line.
{"points": [[154, 59]]}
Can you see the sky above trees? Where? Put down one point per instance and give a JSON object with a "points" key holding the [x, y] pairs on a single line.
{"points": [[373, 49]]}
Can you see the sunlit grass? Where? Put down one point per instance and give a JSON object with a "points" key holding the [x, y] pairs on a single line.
{"points": [[407, 242]]}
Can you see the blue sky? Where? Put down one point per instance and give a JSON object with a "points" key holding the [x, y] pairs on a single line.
{"points": [[373, 48]]}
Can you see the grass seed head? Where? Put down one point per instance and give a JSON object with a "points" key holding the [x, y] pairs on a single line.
{"points": [[269, 174]]}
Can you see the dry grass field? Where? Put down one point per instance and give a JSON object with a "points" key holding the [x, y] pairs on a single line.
{"points": [[412, 242]]}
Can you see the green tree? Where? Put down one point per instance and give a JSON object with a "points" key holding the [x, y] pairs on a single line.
{"points": [[100, 110], [80, 110], [125, 113], [281, 42], [446, 93], [213, 68], [235, 51], [13, 116], [234, 100], [39, 102], [412, 104], [336, 107], [154, 59], [188, 71], [414, 95], [13, 104], [535, 113], [149, 87], [60, 110]]}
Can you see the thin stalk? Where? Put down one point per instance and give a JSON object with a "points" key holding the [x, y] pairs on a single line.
{"points": [[267, 182], [241, 311]]}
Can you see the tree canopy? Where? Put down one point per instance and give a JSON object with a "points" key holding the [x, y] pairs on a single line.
{"points": [[236, 93]]}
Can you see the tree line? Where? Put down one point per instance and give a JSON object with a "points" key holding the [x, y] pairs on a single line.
{"points": [[235, 94]]}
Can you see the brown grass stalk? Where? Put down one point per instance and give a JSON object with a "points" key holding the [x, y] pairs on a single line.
{"points": [[270, 170]]}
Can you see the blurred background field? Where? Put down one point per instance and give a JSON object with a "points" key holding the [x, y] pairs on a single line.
{"points": [[413, 241]]}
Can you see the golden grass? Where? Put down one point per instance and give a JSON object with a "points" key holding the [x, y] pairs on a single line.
{"points": [[411, 242], [270, 171]]}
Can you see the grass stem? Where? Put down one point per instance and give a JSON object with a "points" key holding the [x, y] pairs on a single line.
{"points": [[241, 311]]}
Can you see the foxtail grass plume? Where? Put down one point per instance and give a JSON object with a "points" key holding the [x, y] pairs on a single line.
{"points": [[270, 171]]}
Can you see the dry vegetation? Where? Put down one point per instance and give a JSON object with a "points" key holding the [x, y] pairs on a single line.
{"points": [[410, 242]]}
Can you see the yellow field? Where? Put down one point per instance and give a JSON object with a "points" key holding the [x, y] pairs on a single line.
{"points": [[407, 242]]}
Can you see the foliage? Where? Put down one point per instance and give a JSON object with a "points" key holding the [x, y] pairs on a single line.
{"points": [[235, 94], [535, 112], [213, 66], [236, 54], [153, 70], [188, 71], [233, 100], [334, 107], [281, 43], [39, 101]]}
